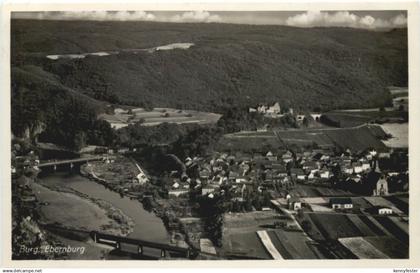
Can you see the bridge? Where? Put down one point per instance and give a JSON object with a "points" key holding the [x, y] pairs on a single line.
{"points": [[166, 250], [116, 242], [70, 162]]}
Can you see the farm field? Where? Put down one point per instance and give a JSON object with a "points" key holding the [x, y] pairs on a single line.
{"points": [[362, 248], [357, 117], [393, 228], [361, 225], [334, 226], [389, 246], [357, 139], [249, 142], [294, 245], [239, 233], [122, 118]]}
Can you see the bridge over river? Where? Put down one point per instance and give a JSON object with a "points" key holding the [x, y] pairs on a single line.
{"points": [[70, 162]]}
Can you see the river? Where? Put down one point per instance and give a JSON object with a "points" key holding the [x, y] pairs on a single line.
{"points": [[147, 225]]}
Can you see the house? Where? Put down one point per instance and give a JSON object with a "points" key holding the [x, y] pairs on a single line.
{"points": [[142, 178], [294, 203], [347, 169], [365, 166], [313, 174], [297, 173], [385, 210], [241, 179], [300, 117], [262, 109], [357, 167], [325, 173], [204, 174], [268, 175], [316, 116], [341, 203], [287, 157], [271, 157], [207, 189], [279, 170], [308, 166], [177, 192], [233, 176], [275, 109]]}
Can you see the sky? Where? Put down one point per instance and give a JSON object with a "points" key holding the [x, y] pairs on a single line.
{"points": [[355, 19]]}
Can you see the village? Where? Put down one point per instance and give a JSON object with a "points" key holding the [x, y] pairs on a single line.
{"points": [[327, 191]]}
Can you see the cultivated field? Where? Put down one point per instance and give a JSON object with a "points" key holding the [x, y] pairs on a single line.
{"points": [[362, 248], [122, 118], [249, 141], [357, 138], [357, 117], [389, 246], [334, 226]]}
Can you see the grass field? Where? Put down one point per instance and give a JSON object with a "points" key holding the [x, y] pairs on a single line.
{"points": [[157, 116]]}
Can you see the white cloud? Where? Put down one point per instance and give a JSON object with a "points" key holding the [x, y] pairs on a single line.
{"points": [[343, 19], [196, 17], [95, 15], [185, 17]]}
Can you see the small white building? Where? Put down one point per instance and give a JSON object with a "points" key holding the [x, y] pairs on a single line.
{"points": [[385, 210]]}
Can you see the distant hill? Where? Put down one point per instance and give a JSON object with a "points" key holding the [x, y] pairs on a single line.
{"points": [[243, 64]]}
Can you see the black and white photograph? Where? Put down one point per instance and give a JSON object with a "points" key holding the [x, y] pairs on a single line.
{"points": [[209, 135]]}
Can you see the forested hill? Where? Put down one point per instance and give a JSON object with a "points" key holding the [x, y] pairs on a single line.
{"points": [[303, 67]]}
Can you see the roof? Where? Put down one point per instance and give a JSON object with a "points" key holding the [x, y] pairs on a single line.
{"points": [[297, 171], [344, 200]]}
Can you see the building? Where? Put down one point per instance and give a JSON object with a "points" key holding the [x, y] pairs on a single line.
{"points": [[297, 174], [294, 203], [275, 109], [385, 210], [341, 203], [381, 187]]}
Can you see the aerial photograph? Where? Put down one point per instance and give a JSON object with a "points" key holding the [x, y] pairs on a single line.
{"points": [[209, 135]]}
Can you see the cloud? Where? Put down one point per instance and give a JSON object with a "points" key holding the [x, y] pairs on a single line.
{"points": [[185, 17], [344, 19], [92, 15], [196, 17]]}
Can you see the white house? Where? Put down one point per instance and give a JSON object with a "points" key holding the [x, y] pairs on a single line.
{"points": [[385, 210]]}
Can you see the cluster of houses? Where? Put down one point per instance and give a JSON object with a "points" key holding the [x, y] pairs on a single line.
{"points": [[279, 170]]}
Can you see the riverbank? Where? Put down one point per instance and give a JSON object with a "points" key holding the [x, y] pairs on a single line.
{"points": [[71, 209], [108, 174]]}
